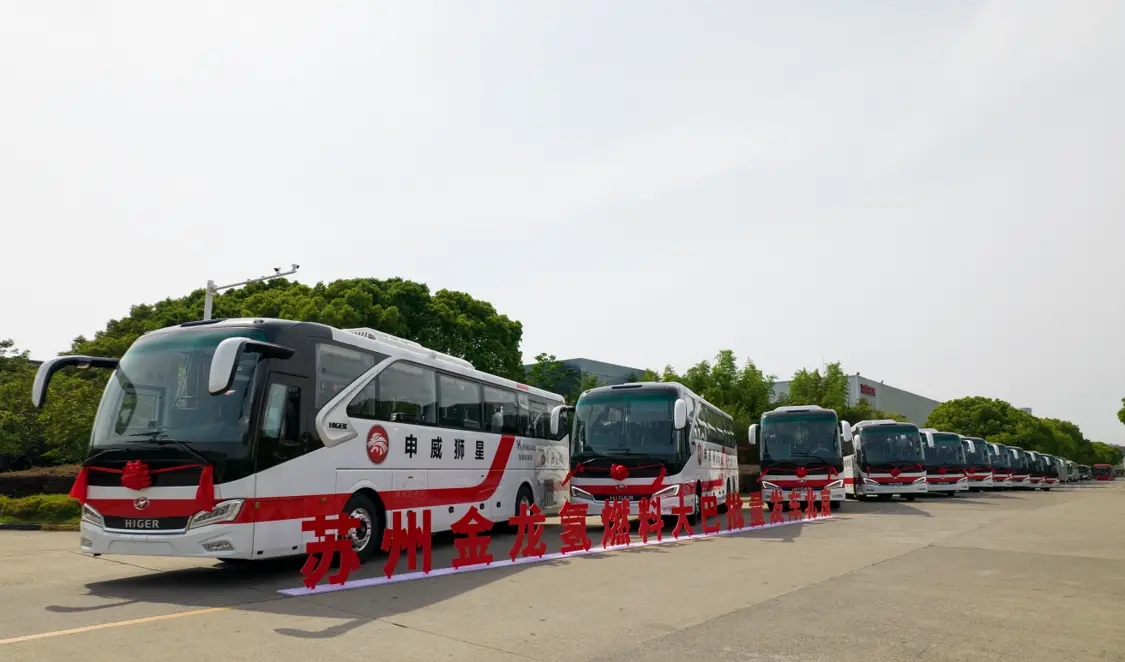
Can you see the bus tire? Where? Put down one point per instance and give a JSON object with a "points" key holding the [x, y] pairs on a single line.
{"points": [[523, 495], [369, 537], [698, 509], [910, 497]]}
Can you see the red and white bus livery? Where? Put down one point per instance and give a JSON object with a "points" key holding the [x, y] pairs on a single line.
{"points": [[884, 459], [945, 462], [978, 463], [216, 439], [1021, 468], [1035, 469], [802, 448], [1001, 459], [650, 439]]}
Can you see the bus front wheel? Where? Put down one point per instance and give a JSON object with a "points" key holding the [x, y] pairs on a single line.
{"points": [[367, 538]]}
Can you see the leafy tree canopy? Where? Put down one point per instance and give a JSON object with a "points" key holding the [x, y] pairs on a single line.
{"points": [[830, 391]]}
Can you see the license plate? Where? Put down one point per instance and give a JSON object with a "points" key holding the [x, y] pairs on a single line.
{"points": [[142, 524]]}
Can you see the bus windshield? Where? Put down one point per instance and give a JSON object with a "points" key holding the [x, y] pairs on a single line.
{"points": [[159, 391], [1000, 457], [891, 444], [796, 437], [947, 451], [1019, 458], [1102, 470], [633, 422], [979, 457]]}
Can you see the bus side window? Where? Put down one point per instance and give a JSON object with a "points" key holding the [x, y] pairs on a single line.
{"points": [[337, 367], [501, 411], [402, 393]]}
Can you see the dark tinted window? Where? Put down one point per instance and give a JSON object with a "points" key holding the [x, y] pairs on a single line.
{"points": [[501, 411], [460, 403], [337, 366], [401, 393]]}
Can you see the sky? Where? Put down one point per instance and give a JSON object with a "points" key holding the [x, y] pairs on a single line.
{"points": [[930, 193]]}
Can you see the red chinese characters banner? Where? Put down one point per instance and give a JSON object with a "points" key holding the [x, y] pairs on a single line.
{"points": [[409, 532]]}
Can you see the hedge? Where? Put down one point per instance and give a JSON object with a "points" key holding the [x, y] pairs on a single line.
{"points": [[40, 480], [40, 509]]}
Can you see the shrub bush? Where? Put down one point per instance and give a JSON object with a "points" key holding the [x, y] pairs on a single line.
{"points": [[40, 509], [40, 480]]}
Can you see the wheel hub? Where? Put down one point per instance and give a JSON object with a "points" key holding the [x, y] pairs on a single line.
{"points": [[361, 535]]}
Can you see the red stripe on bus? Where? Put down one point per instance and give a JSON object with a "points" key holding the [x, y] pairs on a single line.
{"points": [[274, 509]]}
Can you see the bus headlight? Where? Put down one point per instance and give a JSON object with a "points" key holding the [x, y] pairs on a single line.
{"points": [[667, 492], [766, 485], [91, 516], [579, 493], [873, 483], [919, 480], [835, 485], [227, 511]]}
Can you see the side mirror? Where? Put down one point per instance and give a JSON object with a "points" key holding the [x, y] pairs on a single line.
{"points": [[929, 439], [556, 415], [753, 434], [846, 431], [679, 414], [50, 367], [225, 361], [972, 446]]}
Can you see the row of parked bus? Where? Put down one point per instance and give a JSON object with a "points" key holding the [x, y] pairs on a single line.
{"points": [[806, 446], [218, 438]]}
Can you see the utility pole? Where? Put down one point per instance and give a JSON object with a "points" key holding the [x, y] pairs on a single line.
{"points": [[213, 289]]}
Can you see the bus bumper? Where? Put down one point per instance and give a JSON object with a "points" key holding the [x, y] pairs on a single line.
{"points": [[895, 488], [835, 494], [218, 541], [959, 486], [595, 508]]}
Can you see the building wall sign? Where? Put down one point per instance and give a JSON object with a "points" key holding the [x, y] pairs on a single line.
{"points": [[866, 389]]}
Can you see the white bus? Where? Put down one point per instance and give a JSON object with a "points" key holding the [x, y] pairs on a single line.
{"points": [[946, 470], [246, 427], [885, 458], [663, 441], [801, 449], [1001, 466], [978, 463]]}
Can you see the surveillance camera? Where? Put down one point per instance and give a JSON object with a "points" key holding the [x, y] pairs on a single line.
{"points": [[296, 266]]}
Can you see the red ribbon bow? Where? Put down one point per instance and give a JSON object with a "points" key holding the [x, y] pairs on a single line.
{"points": [[137, 476]]}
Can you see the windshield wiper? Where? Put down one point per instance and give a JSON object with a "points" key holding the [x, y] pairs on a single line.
{"points": [[154, 438]]}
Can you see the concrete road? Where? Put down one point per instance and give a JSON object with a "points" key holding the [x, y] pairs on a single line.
{"points": [[1029, 576]]}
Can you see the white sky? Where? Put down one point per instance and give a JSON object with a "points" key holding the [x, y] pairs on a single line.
{"points": [[930, 193]]}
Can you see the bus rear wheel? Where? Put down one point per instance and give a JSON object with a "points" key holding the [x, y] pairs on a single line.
{"points": [[367, 538]]}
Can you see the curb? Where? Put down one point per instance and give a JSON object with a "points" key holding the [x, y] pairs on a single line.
{"points": [[38, 527]]}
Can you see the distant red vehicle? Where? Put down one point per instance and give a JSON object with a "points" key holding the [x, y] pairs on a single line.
{"points": [[1103, 472]]}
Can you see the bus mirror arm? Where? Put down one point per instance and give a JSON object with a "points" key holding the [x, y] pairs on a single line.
{"points": [[679, 414], [556, 414], [48, 369], [752, 434], [225, 360]]}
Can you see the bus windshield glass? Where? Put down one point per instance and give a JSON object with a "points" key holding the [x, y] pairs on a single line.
{"points": [[797, 437], [159, 392], [628, 422], [979, 457], [1019, 459], [891, 444], [1000, 458], [947, 451]]}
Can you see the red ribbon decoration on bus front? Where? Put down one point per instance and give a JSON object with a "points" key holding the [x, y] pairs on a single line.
{"points": [[137, 476], [618, 472], [802, 472]]}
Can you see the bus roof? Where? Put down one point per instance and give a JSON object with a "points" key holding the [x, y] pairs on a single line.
{"points": [[376, 341], [798, 409], [883, 421], [671, 387]]}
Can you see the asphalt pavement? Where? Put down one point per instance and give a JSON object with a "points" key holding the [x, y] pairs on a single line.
{"points": [[1029, 576]]}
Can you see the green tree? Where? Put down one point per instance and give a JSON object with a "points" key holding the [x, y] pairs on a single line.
{"points": [[829, 390], [550, 374], [447, 321], [1121, 412]]}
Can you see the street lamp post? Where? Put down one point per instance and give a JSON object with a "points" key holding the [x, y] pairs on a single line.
{"points": [[213, 289]]}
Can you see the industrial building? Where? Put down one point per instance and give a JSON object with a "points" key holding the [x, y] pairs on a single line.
{"points": [[915, 408]]}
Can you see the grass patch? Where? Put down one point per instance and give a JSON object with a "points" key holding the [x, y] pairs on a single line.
{"points": [[40, 509]]}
